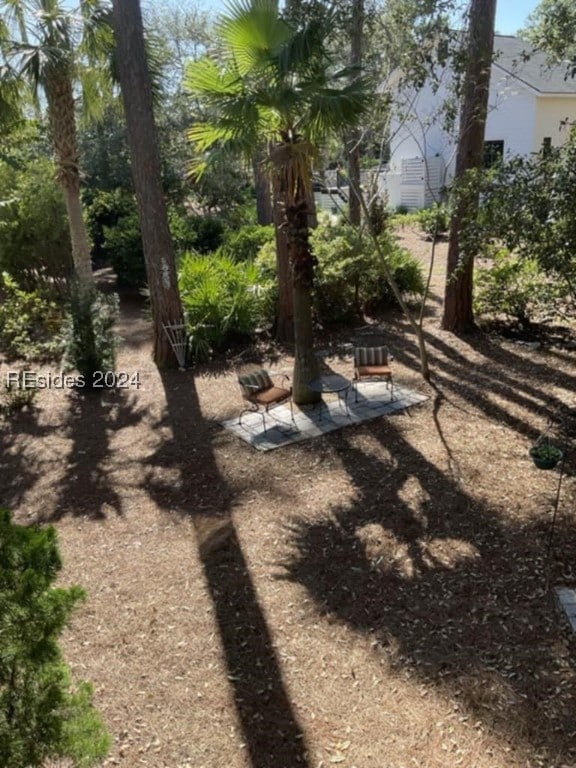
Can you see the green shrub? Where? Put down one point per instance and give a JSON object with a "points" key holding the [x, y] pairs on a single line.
{"points": [[514, 286], [221, 300], [203, 234], [104, 212], [91, 341], [349, 274], [31, 326], [350, 277], [17, 395], [122, 248], [434, 221], [245, 243], [34, 237], [42, 715]]}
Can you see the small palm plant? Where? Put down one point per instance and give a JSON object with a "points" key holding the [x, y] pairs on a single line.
{"points": [[277, 86]]}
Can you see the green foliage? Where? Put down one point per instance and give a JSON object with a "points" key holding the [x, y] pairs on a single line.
{"points": [[115, 224], [350, 277], [245, 243], [105, 210], [17, 395], [552, 28], [221, 300], [434, 221], [512, 286], [122, 247], [41, 715], [30, 324], [91, 341], [34, 238], [203, 234], [528, 204]]}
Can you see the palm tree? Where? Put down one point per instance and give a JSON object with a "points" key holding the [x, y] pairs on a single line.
{"points": [[43, 45], [277, 86]]}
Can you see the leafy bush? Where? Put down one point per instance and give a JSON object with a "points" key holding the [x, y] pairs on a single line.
{"points": [[221, 300], [203, 234], [31, 326], [34, 237], [512, 286], [528, 205], [245, 243], [434, 221], [91, 342], [121, 241], [122, 247], [41, 715], [350, 276], [17, 395], [104, 211]]}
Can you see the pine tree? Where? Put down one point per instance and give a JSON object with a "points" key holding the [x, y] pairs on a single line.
{"points": [[41, 714]]}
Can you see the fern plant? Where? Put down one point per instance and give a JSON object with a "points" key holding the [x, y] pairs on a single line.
{"points": [[221, 300]]}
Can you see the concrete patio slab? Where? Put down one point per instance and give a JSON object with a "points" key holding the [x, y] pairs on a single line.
{"points": [[313, 421]]}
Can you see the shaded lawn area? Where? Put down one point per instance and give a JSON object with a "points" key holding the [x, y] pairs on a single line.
{"points": [[374, 597]]}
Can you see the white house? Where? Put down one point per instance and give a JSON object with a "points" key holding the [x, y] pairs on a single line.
{"points": [[530, 106]]}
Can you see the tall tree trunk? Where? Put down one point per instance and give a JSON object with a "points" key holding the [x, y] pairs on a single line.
{"points": [[284, 326], [63, 126], [146, 170], [458, 313], [264, 212], [354, 136], [302, 264]]}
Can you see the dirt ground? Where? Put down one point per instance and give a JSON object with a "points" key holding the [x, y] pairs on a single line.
{"points": [[374, 598]]}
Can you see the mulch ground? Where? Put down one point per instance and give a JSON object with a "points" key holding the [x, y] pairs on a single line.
{"points": [[373, 598]]}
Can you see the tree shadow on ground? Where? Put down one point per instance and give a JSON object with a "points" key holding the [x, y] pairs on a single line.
{"points": [[19, 467], [450, 591], [271, 730], [93, 417], [499, 378]]}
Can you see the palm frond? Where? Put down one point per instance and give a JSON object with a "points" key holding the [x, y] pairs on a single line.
{"points": [[334, 110], [253, 34], [205, 78]]}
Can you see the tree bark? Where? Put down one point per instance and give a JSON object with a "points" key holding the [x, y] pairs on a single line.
{"points": [[146, 170], [284, 326], [458, 314], [302, 265], [264, 212], [354, 136], [62, 118], [305, 361]]}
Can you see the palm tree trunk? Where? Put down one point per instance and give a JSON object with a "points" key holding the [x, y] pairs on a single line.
{"points": [[284, 325], [264, 212], [305, 362], [63, 125], [302, 263]]}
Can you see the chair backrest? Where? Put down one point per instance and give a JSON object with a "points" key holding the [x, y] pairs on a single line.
{"points": [[370, 356], [253, 382]]}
